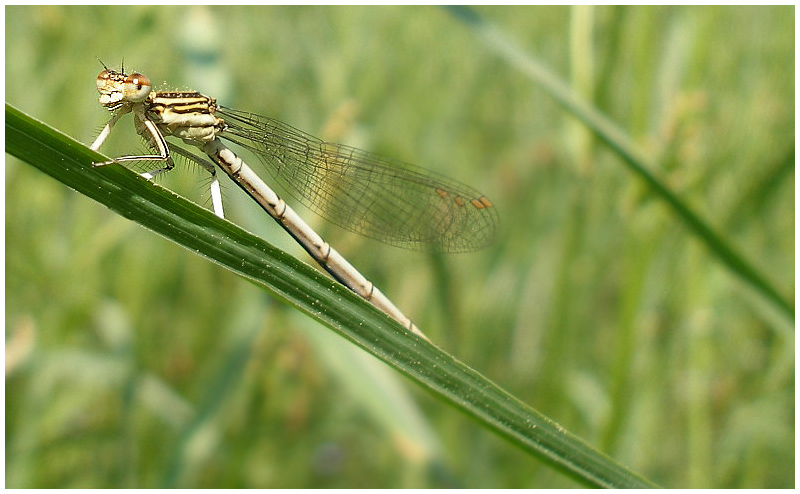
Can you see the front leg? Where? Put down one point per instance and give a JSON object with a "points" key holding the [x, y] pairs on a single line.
{"points": [[107, 129], [149, 131]]}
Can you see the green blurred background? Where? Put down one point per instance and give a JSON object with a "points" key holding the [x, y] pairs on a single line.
{"points": [[131, 362]]}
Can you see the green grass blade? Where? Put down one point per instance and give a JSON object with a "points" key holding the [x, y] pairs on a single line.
{"points": [[310, 291], [623, 145]]}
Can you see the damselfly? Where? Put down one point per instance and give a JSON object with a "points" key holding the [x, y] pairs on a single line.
{"points": [[388, 200]]}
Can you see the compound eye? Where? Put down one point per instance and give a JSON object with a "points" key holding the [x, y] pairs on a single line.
{"points": [[102, 78], [137, 87]]}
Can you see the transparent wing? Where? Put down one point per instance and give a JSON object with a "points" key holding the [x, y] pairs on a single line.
{"points": [[387, 200]]}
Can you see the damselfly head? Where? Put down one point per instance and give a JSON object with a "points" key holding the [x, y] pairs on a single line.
{"points": [[117, 88]]}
